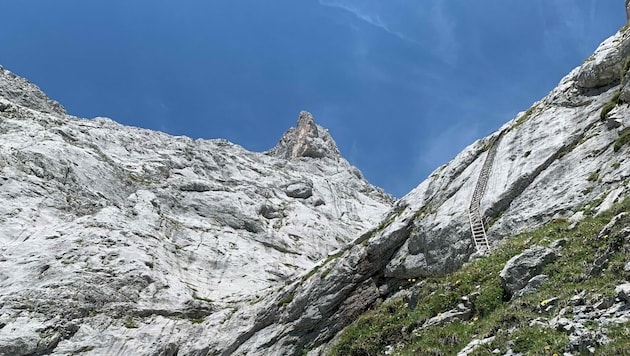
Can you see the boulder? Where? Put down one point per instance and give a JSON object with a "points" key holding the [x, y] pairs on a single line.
{"points": [[520, 269], [301, 190], [269, 211], [533, 285], [623, 292], [605, 66]]}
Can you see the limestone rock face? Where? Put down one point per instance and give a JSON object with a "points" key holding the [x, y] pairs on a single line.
{"points": [[21, 91], [306, 140], [556, 160], [119, 240], [606, 65], [301, 190], [115, 240], [522, 268]]}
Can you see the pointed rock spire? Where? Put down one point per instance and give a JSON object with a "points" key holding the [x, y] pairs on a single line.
{"points": [[306, 140]]}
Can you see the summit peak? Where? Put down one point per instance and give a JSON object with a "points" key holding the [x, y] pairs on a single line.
{"points": [[307, 139]]}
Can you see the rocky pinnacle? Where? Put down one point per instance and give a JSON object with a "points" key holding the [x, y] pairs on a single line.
{"points": [[306, 140]]}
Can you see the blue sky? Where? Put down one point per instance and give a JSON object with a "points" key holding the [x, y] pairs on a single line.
{"points": [[402, 85]]}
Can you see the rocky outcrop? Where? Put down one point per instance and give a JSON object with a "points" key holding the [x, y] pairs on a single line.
{"points": [[606, 66], [306, 140], [553, 161], [623, 292], [521, 270], [117, 240], [22, 92], [532, 286], [111, 233], [302, 190]]}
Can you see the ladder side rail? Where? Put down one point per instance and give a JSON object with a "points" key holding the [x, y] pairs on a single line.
{"points": [[474, 209]]}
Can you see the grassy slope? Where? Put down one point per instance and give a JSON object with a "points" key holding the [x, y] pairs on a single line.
{"points": [[393, 323]]}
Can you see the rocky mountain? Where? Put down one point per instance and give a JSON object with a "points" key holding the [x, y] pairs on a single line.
{"points": [[105, 227], [564, 158], [118, 240]]}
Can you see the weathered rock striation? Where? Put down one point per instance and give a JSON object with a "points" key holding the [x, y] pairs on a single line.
{"points": [[20, 91], [118, 240], [110, 233], [306, 140], [553, 161]]}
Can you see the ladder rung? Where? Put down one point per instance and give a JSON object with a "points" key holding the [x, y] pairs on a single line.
{"points": [[474, 209]]}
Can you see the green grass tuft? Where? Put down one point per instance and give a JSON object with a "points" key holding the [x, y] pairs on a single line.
{"points": [[525, 117], [286, 299], [310, 274], [607, 108], [624, 137], [394, 323], [593, 177], [130, 323]]}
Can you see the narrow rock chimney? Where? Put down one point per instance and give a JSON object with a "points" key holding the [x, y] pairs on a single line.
{"points": [[628, 9]]}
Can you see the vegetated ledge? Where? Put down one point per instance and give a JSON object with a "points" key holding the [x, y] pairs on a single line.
{"points": [[592, 254], [624, 138]]}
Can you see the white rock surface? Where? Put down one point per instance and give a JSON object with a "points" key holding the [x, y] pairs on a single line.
{"points": [[116, 240], [555, 160], [521, 269], [111, 233]]}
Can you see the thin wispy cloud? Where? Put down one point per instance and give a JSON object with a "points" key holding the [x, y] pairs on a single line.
{"points": [[427, 24], [443, 27], [371, 19]]}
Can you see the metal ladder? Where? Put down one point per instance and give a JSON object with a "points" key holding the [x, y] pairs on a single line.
{"points": [[480, 238]]}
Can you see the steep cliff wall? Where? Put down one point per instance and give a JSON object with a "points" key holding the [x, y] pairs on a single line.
{"points": [[110, 232], [565, 157], [118, 240]]}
